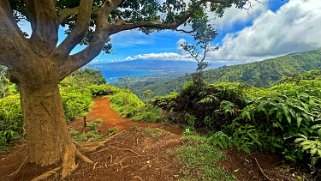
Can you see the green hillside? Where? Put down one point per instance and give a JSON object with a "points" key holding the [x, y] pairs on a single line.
{"points": [[260, 74]]}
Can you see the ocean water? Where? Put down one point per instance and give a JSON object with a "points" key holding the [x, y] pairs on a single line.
{"points": [[113, 71], [112, 75]]}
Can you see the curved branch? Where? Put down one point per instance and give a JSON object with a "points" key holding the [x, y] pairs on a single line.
{"points": [[147, 24], [100, 37], [67, 12], [80, 29], [44, 22], [185, 31], [13, 44]]}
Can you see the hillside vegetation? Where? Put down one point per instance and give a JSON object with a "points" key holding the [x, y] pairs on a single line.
{"points": [[284, 118], [77, 92], [260, 74]]}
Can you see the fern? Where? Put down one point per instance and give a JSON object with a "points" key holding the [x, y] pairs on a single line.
{"points": [[220, 139]]}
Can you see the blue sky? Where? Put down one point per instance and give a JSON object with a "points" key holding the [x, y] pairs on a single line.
{"points": [[269, 28]]}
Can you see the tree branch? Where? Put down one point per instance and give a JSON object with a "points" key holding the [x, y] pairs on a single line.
{"points": [[67, 12], [12, 41], [44, 22], [97, 43], [104, 29], [185, 31], [80, 29], [147, 24]]}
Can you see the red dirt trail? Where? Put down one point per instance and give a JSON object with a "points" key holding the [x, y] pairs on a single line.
{"points": [[103, 111]]}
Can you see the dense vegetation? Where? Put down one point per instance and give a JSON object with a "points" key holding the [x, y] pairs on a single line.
{"points": [[128, 104], [77, 92], [260, 74], [284, 118]]}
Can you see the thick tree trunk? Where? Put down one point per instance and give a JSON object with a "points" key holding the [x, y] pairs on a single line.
{"points": [[46, 129]]}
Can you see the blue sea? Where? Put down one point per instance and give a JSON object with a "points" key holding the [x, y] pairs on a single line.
{"points": [[112, 75], [113, 71]]}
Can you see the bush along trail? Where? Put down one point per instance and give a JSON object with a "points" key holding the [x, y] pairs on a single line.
{"points": [[207, 132]]}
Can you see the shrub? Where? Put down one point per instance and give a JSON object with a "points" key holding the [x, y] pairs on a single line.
{"points": [[190, 120], [129, 105], [284, 118], [76, 102], [286, 114], [148, 113], [220, 139], [212, 106], [103, 90], [165, 102], [126, 103], [83, 77], [10, 120]]}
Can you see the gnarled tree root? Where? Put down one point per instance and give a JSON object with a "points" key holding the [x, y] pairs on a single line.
{"points": [[21, 165], [67, 167], [47, 174], [69, 158], [88, 147]]}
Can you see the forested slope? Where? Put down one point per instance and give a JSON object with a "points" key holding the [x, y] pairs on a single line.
{"points": [[260, 74]]}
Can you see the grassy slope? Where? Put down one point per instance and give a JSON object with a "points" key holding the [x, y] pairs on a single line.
{"points": [[260, 74]]}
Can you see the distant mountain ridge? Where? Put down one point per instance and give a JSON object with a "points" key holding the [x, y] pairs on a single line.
{"points": [[260, 74]]}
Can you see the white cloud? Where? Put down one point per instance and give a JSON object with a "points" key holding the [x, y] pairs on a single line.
{"points": [[294, 27], [234, 15], [179, 43], [130, 38], [159, 56]]}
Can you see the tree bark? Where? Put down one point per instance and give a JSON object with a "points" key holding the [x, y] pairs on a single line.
{"points": [[46, 129], [46, 133]]}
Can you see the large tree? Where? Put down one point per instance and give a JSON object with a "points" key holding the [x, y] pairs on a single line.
{"points": [[37, 63]]}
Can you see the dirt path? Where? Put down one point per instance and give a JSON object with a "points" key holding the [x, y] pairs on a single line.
{"points": [[102, 110], [142, 153]]}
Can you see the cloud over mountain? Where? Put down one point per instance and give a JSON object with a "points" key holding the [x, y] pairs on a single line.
{"points": [[160, 56], [294, 27]]}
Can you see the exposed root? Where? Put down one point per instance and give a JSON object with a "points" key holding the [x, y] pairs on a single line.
{"points": [[47, 174], [84, 158], [138, 178], [114, 135], [94, 167], [261, 169], [21, 165], [111, 158], [68, 162], [128, 149], [89, 147]]}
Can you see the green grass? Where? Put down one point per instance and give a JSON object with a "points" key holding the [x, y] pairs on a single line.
{"points": [[112, 130], [92, 135], [153, 132], [200, 160], [134, 128]]}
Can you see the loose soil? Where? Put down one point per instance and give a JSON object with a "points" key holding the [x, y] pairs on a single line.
{"points": [[247, 166], [140, 151]]}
